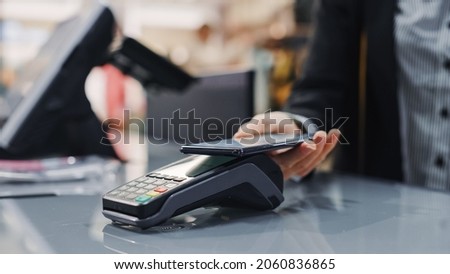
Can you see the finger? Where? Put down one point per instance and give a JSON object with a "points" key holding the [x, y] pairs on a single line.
{"points": [[332, 140], [274, 122], [279, 151], [290, 164], [249, 129], [291, 157], [319, 140]]}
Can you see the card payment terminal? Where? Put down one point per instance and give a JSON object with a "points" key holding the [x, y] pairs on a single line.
{"points": [[254, 181]]}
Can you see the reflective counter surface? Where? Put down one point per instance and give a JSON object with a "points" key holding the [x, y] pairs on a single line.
{"points": [[329, 214]]}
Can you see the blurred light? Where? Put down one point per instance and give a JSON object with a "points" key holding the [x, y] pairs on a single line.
{"points": [[47, 11], [180, 16], [277, 30], [71, 160]]}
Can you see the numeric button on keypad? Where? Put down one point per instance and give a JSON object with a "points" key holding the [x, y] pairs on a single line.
{"points": [[150, 180], [141, 191], [114, 193], [170, 185], [148, 187], [131, 196], [141, 185], [159, 182]]}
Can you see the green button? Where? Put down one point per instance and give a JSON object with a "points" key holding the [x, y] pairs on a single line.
{"points": [[143, 198]]}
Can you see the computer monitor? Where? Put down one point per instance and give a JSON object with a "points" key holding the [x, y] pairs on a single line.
{"points": [[208, 110], [47, 113], [46, 110]]}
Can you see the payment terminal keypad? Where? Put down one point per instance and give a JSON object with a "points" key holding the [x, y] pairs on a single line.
{"points": [[147, 188]]}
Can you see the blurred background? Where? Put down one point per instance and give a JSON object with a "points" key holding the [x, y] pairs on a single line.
{"points": [[202, 36], [228, 38]]}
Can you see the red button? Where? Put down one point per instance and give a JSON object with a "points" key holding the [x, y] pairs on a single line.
{"points": [[160, 189]]}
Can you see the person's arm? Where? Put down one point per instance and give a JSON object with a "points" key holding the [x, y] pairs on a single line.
{"points": [[330, 73]]}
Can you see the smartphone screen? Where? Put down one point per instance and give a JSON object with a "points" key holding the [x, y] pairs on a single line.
{"points": [[246, 146]]}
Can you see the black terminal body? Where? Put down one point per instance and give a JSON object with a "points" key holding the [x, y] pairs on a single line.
{"points": [[253, 182]]}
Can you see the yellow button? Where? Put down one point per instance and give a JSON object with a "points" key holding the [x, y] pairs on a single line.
{"points": [[152, 193]]}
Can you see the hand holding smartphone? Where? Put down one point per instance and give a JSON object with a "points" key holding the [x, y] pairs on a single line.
{"points": [[246, 146]]}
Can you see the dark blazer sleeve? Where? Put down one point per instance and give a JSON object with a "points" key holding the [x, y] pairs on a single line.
{"points": [[330, 74]]}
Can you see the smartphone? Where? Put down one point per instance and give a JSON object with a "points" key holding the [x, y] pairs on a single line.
{"points": [[246, 146]]}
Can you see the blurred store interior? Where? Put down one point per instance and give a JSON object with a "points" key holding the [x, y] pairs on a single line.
{"points": [[203, 37]]}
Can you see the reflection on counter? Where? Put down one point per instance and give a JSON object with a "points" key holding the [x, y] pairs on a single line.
{"points": [[58, 176], [330, 214]]}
